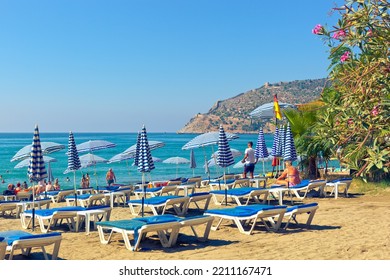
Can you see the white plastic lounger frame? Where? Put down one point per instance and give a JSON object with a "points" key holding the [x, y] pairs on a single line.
{"points": [[10, 206], [198, 221], [27, 245], [162, 229], [179, 204], [335, 185], [242, 221], [46, 222], [309, 209], [60, 196], [237, 183], [93, 215], [120, 195], [305, 189], [201, 197], [163, 190], [255, 194], [93, 199]]}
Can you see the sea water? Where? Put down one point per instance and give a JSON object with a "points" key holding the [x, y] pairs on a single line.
{"points": [[125, 172]]}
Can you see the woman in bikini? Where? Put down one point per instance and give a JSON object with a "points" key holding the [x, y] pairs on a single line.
{"points": [[290, 175]]}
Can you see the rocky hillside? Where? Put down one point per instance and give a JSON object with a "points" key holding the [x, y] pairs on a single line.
{"points": [[233, 113]]}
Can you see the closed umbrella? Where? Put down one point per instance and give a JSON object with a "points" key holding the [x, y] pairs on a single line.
{"points": [[177, 161], [261, 148], [47, 148], [192, 162], [225, 157], [145, 161], [290, 152], [36, 170], [73, 161], [274, 150]]}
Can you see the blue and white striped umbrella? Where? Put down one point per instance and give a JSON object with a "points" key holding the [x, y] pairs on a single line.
{"points": [[225, 156], [281, 142], [274, 151], [145, 161], [73, 155], [94, 145], [36, 169], [290, 151], [137, 149], [261, 148]]}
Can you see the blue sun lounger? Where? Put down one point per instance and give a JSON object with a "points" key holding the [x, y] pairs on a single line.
{"points": [[237, 194], [86, 200], [73, 215], [335, 186], [250, 214], [293, 211], [16, 239], [160, 204], [166, 226]]}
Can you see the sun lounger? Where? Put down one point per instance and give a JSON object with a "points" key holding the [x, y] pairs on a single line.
{"points": [[120, 194], [73, 215], [16, 239], [22, 195], [195, 180], [3, 247], [139, 228], [59, 196], [81, 191], [153, 192], [229, 184], [240, 193], [9, 207], [198, 197], [335, 186], [160, 204], [166, 226], [249, 214], [86, 200], [301, 190], [293, 211]]}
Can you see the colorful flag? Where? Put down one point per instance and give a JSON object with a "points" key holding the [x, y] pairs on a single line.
{"points": [[278, 114]]}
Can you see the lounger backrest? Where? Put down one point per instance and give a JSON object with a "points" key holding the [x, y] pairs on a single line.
{"points": [[174, 183], [167, 189], [241, 183]]}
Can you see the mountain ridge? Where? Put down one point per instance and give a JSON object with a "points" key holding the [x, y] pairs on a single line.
{"points": [[233, 113]]}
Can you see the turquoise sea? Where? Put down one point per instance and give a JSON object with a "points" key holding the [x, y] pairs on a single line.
{"points": [[10, 143]]}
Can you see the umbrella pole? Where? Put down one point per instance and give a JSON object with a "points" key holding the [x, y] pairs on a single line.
{"points": [[33, 209], [143, 197], [263, 168], [224, 178], [74, 186]]}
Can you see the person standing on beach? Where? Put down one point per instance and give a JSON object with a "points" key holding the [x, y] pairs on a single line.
{"points": [[110, 177], [87, 180], [249, 160]]}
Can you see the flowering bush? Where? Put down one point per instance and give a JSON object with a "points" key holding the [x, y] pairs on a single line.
{"points": [[356, 113]]}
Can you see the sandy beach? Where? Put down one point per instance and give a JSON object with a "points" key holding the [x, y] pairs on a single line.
{"points": [[353, 228]]}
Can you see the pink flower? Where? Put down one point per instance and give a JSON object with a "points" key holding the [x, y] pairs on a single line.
{"points": [[318, 29], [345, 56], [375, 111], [369, 33], [339, 34], [350, 121]]}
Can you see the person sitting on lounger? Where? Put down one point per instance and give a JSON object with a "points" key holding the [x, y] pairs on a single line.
{"points": [[290, 175], [56, 185], [49, 186]]}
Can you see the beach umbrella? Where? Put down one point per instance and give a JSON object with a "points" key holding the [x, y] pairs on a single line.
{"points": [[36, 169], [207, 139], [94, 145], [192, 162], [89, 159], [290, 151], [274, 150], [267, 110], [132, 150], [145, 161], [261, 148], [225, 157], [177, 161], [26, 162], [136, 150], [235, 153], [73, 160], [47, 148]]}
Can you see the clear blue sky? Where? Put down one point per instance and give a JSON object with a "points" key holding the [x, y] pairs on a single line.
{"points": [[115, 65]]}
